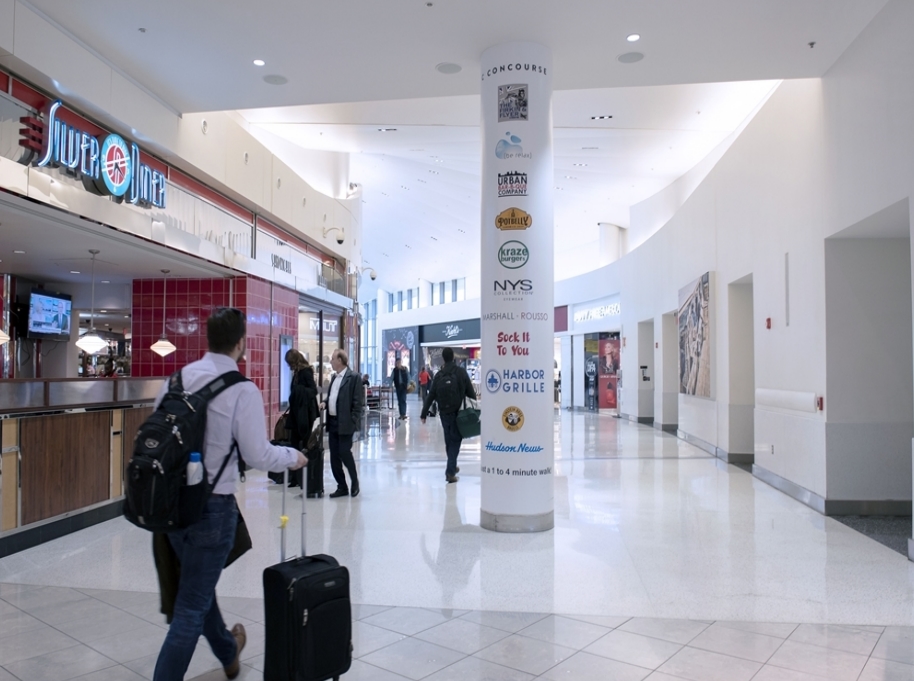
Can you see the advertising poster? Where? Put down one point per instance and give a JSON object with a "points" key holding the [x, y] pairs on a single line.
{"points": [[517, 234], [608, 375], [400, 343], [695, 338]]}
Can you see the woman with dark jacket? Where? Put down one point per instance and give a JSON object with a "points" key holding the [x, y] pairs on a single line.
{"points": [[303, 408]]}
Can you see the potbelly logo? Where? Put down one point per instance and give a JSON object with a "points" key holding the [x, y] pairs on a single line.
{"points": [[513, 255], [513, 218], [512, 419], [512, 184], [512, 103]]}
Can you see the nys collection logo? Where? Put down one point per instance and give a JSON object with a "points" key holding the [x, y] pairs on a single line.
{"points": [[512, 419], [512, 184], [512, 103], [516, 289], [513, 255], [511, 148], [513, 218]]}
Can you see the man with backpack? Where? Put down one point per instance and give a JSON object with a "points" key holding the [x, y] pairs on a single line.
{"points": [[234, 422], [450, 387], [399, 379]]}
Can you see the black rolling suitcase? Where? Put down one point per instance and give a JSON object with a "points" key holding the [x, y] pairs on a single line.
{"points": [[308, 624], [315, 472]]}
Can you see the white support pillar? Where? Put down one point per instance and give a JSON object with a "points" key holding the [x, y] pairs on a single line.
{"points": [[517, 289]]}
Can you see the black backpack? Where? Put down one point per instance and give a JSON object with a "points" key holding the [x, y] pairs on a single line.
{"points": [[449, 390], [157, 498]]}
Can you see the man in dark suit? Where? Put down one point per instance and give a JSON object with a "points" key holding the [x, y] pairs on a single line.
{"points": [[344, 411]]}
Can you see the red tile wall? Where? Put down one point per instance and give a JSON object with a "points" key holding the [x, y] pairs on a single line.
{"points": [[271, 311]]}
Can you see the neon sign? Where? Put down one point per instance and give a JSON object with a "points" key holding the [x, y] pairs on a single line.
{"points": [[107, 164]]}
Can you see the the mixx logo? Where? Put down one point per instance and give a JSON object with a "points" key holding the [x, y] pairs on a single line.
{"points": [[529, 381], [510, 148], [512, 184], [106, 164], [513, 255]]}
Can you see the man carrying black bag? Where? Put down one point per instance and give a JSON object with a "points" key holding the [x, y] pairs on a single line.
{"points": [[449, 388], [234, 415]]}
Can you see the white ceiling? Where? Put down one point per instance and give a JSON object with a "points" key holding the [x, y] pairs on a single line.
{"points": [[357, 65]]}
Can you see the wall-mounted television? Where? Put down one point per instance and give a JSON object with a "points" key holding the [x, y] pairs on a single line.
{"points": [[49, 315]]}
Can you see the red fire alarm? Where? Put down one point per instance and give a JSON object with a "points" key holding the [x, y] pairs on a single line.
{"points": [[820, 403], [768, 323]]}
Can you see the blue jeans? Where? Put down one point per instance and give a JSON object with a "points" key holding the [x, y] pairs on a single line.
{"points": [[452, 441], [401, 401], [202, 550]]}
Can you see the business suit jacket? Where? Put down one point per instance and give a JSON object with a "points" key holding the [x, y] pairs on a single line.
{"points": [[348, 402]]}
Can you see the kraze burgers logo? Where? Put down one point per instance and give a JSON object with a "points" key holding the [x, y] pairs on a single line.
{"points": [[512, 419], [513, 219], [106, 164], [513, 255], [512, 103], [513, 381], [512, 184], [511, 148]]}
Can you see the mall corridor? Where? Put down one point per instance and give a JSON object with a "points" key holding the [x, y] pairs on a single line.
{"points": [[664, 564]]}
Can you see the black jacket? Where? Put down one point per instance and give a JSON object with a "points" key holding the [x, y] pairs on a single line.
{"points": [[348, 402], [465, 382], [400, 379], [303, 409]]}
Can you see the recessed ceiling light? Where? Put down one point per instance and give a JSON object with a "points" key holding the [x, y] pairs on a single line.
{"points": [[630, 57], [634, 37], [141, 30], [581, 165], [74, 272], [599, 118], [589, 148], [275, 79], [19, 252], [387, 130], [103, 311], [126, 316], [259, 62], [449, 69]]}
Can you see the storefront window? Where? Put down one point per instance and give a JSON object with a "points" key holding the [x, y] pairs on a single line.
{"points": [[309, 340]]}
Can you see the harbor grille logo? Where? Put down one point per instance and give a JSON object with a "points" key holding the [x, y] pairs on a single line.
{"points": [[512, 103], [513, 218], [512, 184]]}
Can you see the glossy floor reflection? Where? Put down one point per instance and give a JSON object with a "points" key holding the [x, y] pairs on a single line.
{"points": [[647, 527]]}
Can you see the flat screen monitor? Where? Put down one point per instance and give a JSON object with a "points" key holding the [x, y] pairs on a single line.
{"points": [[49, 315], [285, 373]]}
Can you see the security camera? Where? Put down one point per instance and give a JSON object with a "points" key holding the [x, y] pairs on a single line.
{"points": [[339, 240], [373, 275]]}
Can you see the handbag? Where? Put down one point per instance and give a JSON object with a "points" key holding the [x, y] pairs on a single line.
{"points": [[316, 439], [468, 419], [281, 431]]}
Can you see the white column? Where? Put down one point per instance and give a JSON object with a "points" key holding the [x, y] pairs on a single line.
{"points": [[517, 289]]}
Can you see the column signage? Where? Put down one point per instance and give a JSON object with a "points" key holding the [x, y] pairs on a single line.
{"points": [[517, 289], [107, 164]]}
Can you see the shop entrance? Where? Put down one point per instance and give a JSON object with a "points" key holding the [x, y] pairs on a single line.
{"points": [[602, 360], [740, 441]]}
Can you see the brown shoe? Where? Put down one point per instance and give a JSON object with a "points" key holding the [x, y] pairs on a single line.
{"points": [[452, 478], [241, 638]]}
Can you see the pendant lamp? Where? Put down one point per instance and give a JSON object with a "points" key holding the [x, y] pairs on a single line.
{"points": [[163, 347], [90, 342]]}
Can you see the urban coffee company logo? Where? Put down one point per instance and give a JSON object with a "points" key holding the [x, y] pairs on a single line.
{"points": [[513, 255], [512, 184], [513, 219], [512, 103], [511, 148], [512, 419], [107, 165]]}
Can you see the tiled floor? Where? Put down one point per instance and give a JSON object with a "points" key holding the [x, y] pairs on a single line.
{"points": [[664, 564]]}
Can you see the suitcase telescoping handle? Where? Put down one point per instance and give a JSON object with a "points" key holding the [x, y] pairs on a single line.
{"points": [[284, 519]]}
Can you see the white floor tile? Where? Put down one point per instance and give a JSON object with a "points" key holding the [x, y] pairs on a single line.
{"points": [[463, 636], [775, 629], [896, 644], [506, 621], [675, 631], [408, 621], [60, 665], [635, 649], [587, 667], [367, 638], [32, 644], [360, 671], [769, 673], [413, 658], [886, 670], [835, 665], [478, 670], [836, 637], [118, 673], [737, 643], [525, 654], [700, 665]]}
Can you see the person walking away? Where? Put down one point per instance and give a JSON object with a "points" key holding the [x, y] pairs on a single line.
{"points": [[399, 377], [344, 412], [233, 416], [303, 407], [449, 388], [425, 378]]}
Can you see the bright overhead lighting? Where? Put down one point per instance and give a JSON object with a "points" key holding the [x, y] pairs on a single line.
{"points": [[387, 130], [600, 118], [91, 343], [569, 177], [581, 165], [163, 347], [103, 311], [19, 252], [634, 37], [105, 281], [74, 272], [259, 62]]}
